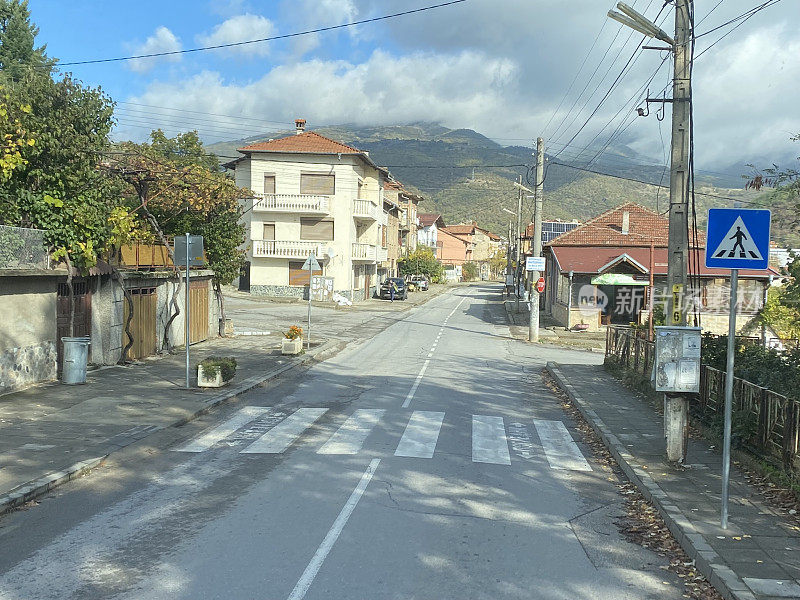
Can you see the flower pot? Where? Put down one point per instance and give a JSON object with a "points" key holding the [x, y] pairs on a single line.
{"points": [[294, 346], [205, 380]]}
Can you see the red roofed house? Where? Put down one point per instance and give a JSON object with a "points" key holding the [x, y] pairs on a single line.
{"points": [[428, 232], [599, 272], [482, 244], [312, 195]]}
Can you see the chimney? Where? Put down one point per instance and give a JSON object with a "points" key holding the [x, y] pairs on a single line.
{"points": [[626, 222], [299, 126]]}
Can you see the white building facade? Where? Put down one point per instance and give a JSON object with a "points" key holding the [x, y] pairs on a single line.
{"points": [[311, 195]]}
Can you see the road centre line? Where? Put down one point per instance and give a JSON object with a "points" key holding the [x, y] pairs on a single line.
{"points": [[418, 379], [307, 578]]}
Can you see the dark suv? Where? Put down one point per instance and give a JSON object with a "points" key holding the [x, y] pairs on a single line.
{"points": [[400, 294]]}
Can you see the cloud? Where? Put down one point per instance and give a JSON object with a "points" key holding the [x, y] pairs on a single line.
{"points": [[315, 14], [163, 40], [239, 29]]}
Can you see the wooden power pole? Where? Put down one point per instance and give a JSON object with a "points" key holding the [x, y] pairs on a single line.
{"points": [[676, 406]]}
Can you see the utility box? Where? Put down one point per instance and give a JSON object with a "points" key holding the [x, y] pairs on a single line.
{"points": [[677, 361]]}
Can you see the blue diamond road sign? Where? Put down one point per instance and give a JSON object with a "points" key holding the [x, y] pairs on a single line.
{"points": [[737, 238]]}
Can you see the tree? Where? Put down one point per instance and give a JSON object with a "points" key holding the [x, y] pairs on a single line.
{"points": [[469, 271], [14, 136], [422, 262], [177, 188], [18, 54]]}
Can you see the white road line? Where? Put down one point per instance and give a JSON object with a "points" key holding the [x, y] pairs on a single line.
{"points": [[417, 381], [422, 432], [220, 432], [307, 578], [560, 449], [280, 437], [349, 438], [489, 444]]}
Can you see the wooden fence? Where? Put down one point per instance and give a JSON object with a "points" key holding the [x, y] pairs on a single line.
{"points": [[770, 422]]}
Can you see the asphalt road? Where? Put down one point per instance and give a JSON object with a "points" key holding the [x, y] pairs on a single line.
{"points": [[429, 462]]}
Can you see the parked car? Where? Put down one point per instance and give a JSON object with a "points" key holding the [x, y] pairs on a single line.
{"points": [[402, 289], [419, 282]]}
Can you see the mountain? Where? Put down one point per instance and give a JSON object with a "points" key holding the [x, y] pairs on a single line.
{"points": [[464, 175]]}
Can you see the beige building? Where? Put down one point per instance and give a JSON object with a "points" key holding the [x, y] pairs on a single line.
{"points": [[312, 195], [409, 218], [390, 239]]}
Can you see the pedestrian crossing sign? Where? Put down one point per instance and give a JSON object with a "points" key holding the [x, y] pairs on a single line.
{"points": [[737, 238]]}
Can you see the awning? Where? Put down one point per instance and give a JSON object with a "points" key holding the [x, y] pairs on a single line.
{"points": [[617, 279]]}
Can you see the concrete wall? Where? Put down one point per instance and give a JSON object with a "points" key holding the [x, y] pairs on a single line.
{"points": [[108, 306], [28, 329]]}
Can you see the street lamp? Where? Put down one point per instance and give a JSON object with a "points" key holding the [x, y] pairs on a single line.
{"points": [[640, 23]]}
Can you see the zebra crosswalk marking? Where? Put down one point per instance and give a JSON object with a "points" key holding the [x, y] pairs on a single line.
{"points": [[560, 449], [489, 443], [349, 438], [220, 432], [280, 437], [421, 434]]}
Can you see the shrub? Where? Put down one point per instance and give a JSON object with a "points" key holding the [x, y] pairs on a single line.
{"points": [[469, 271], [216, 364]]}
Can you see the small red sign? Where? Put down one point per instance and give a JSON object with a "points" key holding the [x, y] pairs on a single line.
{"points": [[540, 285]]}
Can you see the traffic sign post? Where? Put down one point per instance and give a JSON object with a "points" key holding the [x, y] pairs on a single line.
{"points": [[535, 263], [188, 251], [736, 239], [310, 265]]}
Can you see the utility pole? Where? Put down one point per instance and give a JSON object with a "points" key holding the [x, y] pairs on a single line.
{"points": [[519, 244], [533, 319], [676, 406]]}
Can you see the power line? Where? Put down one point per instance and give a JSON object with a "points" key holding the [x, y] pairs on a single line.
{"points": [[745, 15], [266, 39]]}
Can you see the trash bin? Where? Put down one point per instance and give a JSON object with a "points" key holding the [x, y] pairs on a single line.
{"points": [[76, 355]]}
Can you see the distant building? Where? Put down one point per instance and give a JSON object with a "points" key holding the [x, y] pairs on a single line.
{"points": [[427, 233]]}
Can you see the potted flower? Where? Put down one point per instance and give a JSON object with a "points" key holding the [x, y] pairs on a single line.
{"points": [[215, 371], [292, 342]]}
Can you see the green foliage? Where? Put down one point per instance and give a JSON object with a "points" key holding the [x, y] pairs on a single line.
{"points": [[776, 371], [188, 193], [469, 271], [216, 364], [422, 262], [18, 54], [780, 313]]}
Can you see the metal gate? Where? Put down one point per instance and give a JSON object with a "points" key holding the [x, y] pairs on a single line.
{"points": [[83, 314], [198, 311], [143, 323]]}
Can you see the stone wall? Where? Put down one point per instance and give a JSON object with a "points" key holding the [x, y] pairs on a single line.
{"points": [[21, 367], [279, 291]]}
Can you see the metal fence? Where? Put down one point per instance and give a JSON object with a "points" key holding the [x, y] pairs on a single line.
{"points": [[768, 423], [22, 248]]}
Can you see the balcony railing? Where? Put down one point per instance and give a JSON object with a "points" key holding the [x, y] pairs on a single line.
{"points": [[364, 252], [364, 209], [287, 249], [293, 203]]}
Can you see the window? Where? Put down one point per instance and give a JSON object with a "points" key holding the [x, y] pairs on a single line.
{"points": [[317, 184], [269, 232], [297, 276], [269, 184], [316, 229]]}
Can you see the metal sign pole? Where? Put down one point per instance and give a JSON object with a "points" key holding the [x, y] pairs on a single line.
{"points": [[308, 337], [186, 308], [726, 444]]}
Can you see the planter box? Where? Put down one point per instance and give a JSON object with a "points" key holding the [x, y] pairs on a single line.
{"points": [[203, 380], [294, 346]]}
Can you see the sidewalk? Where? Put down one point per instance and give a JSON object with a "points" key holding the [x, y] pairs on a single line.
{"points": [[757, 557], [53, 432]]}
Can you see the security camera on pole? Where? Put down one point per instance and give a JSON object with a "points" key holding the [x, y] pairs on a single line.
{"points": [[676, 405]]}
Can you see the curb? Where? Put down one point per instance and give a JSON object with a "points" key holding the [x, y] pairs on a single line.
{"points": [[38, 487], [708, 562]]}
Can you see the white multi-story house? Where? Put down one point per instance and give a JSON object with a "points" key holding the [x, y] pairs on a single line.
{"points": [[312, 195], [428, 231]]}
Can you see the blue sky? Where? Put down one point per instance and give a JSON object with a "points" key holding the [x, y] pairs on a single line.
{"points": [[501, 67]]}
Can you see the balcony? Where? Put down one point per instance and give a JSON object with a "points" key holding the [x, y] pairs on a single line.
{"points": [[293, 203], [364, 252], [287, 249], [367, 211]]}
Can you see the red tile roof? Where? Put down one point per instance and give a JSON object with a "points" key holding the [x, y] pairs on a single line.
{"points": [[309, 142], [460, 229], [605, 229], [582, 260], [428, 219]]}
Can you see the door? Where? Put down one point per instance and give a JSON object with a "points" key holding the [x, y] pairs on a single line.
{"points": [[198, 311], [244, 277], [83, 314], [367, 278], [142, 327]]}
